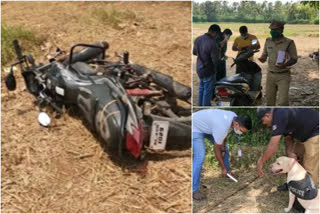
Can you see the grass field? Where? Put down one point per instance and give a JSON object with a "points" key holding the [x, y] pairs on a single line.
{"points": [[261, 30]]}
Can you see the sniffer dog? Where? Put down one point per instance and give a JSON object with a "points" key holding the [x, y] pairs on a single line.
{"points": [[300, 184]]}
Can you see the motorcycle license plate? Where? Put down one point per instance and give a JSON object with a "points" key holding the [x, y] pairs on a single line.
{"points": [[224, 103], [159, 134]]}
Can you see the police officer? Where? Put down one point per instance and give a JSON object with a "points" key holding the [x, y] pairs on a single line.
{"points": [[301, 124], [281, 53]]}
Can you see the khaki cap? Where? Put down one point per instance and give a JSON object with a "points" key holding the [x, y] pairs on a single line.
{"points": [[277, 25]]}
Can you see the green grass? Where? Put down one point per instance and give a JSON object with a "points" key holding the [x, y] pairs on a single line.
{"points": [[253, 144], [261, 30], [114, 17], [27, 39]]}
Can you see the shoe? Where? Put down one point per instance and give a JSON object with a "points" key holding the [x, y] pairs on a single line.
{"points": [[283, 188], [297, 207], [199, 196]]}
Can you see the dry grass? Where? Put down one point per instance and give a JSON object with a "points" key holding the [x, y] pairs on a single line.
{"points": [[250, 194]]}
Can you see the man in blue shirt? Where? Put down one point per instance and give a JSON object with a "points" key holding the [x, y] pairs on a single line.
{"points": [[301, 124], [215, 125], [206, 49]]}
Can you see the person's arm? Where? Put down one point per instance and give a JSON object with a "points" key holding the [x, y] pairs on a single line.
{"points": [[224, 41], [289, 147], [271, 149], [217, 151], [292, 51], [214, 53], [235, 45], [264, 55], [195, 51]]}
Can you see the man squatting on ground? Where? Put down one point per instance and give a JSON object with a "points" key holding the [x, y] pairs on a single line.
{"points": [[278, 76], [206, 48], [215, 125], [300, 126]]}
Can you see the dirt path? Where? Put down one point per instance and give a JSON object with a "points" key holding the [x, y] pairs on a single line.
{"points": [[249, 195], [304, 88], [63, 168]]}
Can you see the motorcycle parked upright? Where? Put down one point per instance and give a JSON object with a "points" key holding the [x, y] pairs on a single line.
{"points": [[244, 88]]}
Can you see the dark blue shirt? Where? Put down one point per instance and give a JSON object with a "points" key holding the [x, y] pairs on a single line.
{"points": [[300, 123], [206, 49]]}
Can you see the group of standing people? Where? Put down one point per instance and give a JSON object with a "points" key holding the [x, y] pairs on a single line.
{"points": [[210, 50]]}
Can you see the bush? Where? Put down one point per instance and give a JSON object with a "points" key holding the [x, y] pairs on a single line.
{"points": [[316, 21], [199, 18], [114, 17], [26, 37]]}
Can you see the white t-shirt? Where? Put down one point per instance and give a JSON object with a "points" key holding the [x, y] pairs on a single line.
{"points": [[213, 121]]}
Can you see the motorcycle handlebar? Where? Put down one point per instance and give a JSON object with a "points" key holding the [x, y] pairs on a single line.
{"points": [[90, 52], [17, 48]]}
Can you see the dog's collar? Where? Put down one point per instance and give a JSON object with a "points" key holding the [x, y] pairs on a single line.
{"points": [[293, 163]]}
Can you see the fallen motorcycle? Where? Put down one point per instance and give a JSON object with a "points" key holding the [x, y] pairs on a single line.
{"points": [[129, 106]]}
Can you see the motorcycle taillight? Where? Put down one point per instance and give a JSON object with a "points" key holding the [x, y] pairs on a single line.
{"points": [[223, 91], [134, 141]]}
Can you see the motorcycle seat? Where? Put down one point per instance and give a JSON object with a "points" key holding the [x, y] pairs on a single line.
{"points": [[234, 79], [83, 68]]}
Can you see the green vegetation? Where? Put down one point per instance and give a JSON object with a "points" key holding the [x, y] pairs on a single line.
{"points": [[26, 37], [114, 17], [256, 12], [253, 144], [261, 30]]}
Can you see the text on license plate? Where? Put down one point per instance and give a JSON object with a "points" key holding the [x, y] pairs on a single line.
{"points": [[159, 134]]}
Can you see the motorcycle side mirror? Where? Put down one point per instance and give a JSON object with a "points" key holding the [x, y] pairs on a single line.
{"points": [[10, 81], [253, 42], [44, 119]]}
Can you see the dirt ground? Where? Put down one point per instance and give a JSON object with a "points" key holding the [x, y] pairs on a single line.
{"points": [[63, 168], [304, 87], [250, 195]]}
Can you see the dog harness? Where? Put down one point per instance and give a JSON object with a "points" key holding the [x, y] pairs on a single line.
{"points": [[304, 189]]}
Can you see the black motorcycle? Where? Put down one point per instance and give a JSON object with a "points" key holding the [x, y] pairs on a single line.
{"points": [[129, 106], [238, 90]]}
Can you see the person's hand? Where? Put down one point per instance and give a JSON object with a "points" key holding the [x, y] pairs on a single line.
{"points": [[292, 155], [262, 59], [224, 172], [282, 65], [259, 168]]}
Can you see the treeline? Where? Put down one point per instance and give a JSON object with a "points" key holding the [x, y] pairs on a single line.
{"points": [[256, 12]]}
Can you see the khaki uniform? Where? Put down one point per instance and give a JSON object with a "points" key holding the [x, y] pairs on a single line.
{"points": [[308, 152], [278, 79]]}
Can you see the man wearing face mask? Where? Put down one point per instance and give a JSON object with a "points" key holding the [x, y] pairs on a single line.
{"points": [[215, 125], [207, 52], [281, 53], [243, 42], [300, 127]]}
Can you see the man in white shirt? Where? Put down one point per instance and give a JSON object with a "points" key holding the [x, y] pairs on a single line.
{"points": [[215, 125]]}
